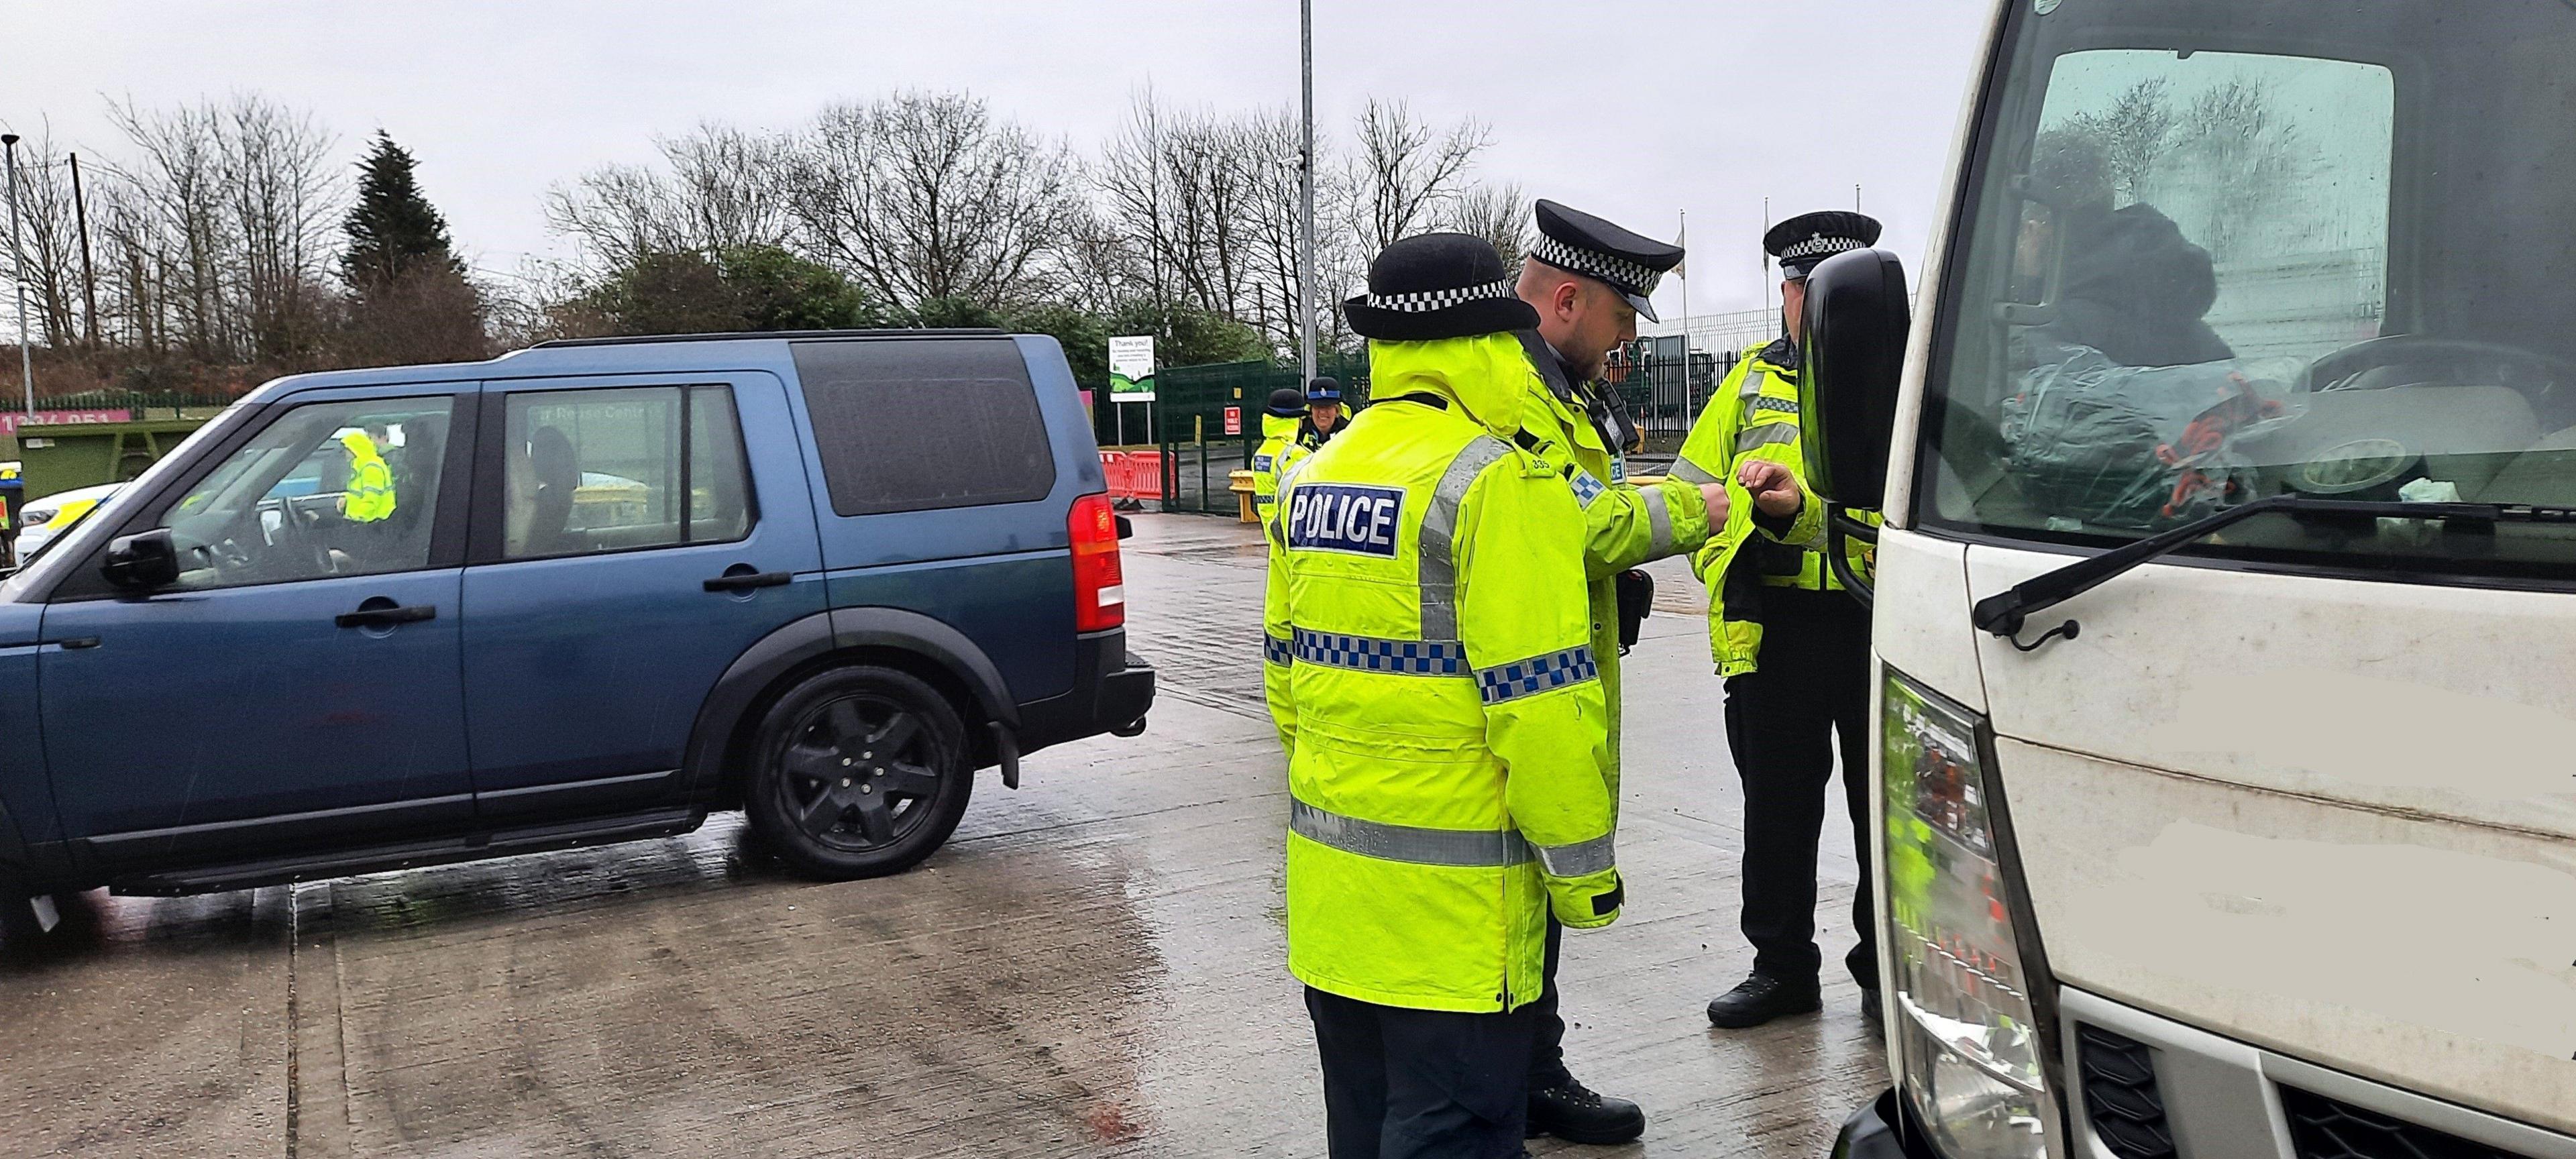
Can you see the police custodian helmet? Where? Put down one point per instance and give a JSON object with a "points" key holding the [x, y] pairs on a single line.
{"points": [[1438, 285]]}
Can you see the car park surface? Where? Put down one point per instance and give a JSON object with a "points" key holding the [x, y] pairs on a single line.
{"points": [[1092, 966]]}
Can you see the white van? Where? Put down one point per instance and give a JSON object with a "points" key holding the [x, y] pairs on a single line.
{"points": [[2226, 604]]}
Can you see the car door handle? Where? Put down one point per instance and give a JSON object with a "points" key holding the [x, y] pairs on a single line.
{"points": [[385, 616], [743, 581]]}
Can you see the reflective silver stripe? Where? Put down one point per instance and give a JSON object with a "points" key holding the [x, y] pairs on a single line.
{"points": [[1371, 654], [1408, 843], [1537, 674], [1690, 472], [1439, 569], [1580, 859], [1659, 523], [1753, 380], [1765, 434]]}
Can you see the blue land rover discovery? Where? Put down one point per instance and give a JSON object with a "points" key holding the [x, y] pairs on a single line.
{"points": [[581, 593]]}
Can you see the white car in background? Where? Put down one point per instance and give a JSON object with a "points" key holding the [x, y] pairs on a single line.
{"points": [[43, 519]]}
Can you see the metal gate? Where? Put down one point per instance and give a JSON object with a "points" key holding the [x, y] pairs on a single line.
{"points": [[1192, 409]]}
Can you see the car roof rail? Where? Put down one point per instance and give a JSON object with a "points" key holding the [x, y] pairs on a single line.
{"points": [[790, 335]]}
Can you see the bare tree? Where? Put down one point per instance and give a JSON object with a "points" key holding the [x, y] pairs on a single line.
{"points": [[724, 189], [925, 196], [49, 250], [284, 194], [1496, 213], [178, 225], [1408, 173], [2249, 160]]}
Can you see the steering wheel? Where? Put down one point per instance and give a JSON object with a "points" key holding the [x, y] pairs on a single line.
{"points": [[2344, 369]]}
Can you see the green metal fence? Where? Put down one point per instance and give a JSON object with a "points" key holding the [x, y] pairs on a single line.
{"points": [[1207, 422]]}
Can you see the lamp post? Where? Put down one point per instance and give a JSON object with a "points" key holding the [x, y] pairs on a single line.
{"points": [[1306, 194], [18, 277]]}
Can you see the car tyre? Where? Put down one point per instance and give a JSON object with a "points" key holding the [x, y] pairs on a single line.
{"points": [[858, 772]]}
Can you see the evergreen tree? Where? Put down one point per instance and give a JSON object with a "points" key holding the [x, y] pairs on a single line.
{"points": [[393, 230]]}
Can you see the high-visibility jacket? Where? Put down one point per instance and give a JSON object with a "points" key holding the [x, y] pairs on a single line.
{"points": [[1754, 415], [1441, 702], [1279, 448], [1624, 524], [370, 498]]}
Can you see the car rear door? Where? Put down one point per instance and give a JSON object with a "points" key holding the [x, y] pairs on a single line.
{"points": [[634, 535]]}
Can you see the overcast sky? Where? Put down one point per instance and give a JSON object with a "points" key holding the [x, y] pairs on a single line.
{"points": [[1636, 111]]}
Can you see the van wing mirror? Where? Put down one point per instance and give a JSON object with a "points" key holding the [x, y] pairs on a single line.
{"points": [[1857, 319], [142, 562]]}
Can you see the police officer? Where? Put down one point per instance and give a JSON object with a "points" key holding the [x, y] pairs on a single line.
{"points": [[1589, 280], [1794, 650], [1323, 412], [1282, 418], [1444, 715], [370, 498]]}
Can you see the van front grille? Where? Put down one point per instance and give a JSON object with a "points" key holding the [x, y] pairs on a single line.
{"points": [[2120, 1095], [2322, 1128]]}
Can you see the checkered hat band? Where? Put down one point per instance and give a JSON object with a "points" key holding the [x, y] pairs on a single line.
{"points": [[1621, 273], [1819, 246], [1428, 301]]}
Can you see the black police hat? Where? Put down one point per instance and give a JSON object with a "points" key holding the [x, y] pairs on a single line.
{"points": [[1325, 388], [1579, 243], [1438, 285], [1285, 403], [1809, 238]]}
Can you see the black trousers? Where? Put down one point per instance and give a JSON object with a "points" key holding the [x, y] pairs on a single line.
{"points": [[1547, 1023], [1782, 723], [1420, 1084]]}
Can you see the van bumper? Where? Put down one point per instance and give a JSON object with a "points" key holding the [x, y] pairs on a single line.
{"points": [[1114, 691], [1881, 1131]]}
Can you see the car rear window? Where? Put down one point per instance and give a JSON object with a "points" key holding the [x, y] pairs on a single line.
{"points": [[918, 425]]}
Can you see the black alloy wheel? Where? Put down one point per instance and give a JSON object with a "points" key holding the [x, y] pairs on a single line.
{"points": [[863, 772]]}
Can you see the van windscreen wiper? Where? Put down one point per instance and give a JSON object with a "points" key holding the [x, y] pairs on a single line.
{"points": [[2004, 614]]}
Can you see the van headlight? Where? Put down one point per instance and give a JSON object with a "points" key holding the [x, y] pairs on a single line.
{"points": [[1970, 1043]]}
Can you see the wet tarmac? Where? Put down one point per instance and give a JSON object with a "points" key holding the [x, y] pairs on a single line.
{"points": [[1092, 967]]}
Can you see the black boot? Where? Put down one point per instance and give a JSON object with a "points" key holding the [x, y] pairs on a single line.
{"points": [[1572, 1112], [1761, 998]]}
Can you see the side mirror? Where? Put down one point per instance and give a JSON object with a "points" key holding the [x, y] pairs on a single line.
{"points": [[1857, 319], [142, 562]]}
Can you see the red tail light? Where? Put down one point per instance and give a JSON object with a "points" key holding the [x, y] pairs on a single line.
{"points": [[1099, 587]]}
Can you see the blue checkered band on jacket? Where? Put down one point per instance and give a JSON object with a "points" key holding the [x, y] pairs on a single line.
{"points": [[1622, 274], [1370, 654], [1277, 651], [1537, 674]]}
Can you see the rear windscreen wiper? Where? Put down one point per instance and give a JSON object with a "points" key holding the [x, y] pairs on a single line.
{"points": [[2003, 614]]}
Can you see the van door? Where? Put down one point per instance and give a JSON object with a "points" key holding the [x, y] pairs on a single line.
{"points": [[626, 552], [296, 687]]}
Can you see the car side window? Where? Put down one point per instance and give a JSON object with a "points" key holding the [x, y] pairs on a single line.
{"points": [[592, 471], [326, 489]]}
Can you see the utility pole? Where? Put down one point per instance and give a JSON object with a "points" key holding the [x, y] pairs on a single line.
{"points": [[89, 280], [1306, 195], [1762, 258], [18, 276]]}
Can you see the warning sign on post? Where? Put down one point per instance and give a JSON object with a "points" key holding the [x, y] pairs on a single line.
{"points": [[1234, 420]]}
